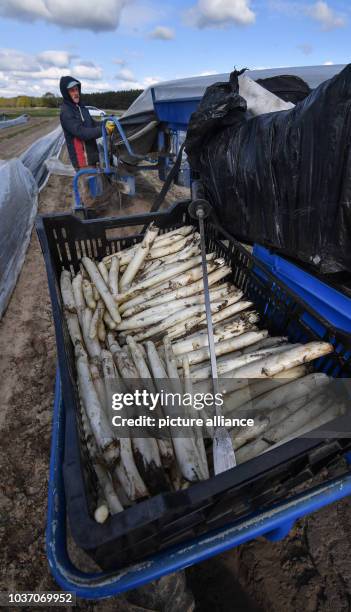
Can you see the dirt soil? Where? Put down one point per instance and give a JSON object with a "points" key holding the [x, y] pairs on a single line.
{"points": [[310, 569], [16, 139]]}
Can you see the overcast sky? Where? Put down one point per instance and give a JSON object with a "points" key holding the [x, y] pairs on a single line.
{"points": [[123, 44]]}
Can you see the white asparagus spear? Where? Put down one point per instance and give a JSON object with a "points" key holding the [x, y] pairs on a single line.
{"points": [[165, 294], [92, 345], [199, 322], [288, 392], [242, 435], [199, 440], [160, 375], [96, 319], [78, 296], [330, 413], [287, 429], [190, 251], [160, 251], [146, 450], [297, 424], [161, 264], [128, 474], [139, 358], [74, 328], [234, 360], [126, 254], [95, 412], [288, 359], [233, 385], [110, 382], [167, 275], [102, 288], [103, 271], [310, 411], [101, 330], [267, 343], [113, 503], [109, 321], [199, 340], [225, 346], [138, 259], [102, 512], [96, 294], [67, 291], [113, 276], [98, 384], [108, 498], [190, 314], [88, 294], [236, 399], [157, 313], [264, 422], [188, 457]]}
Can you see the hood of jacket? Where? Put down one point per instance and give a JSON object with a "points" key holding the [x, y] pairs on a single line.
{"points": [[64, 81]]}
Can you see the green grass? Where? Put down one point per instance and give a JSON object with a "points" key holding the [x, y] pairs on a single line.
{"points": [[33, 112]]}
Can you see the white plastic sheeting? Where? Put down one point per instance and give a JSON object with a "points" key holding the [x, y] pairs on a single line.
{"points": [[43, 148], [56, 166], [18, 207], [20, 181], [11, 122], [194, 87]]}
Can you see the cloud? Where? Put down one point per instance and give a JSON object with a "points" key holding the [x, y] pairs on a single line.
{"points": [[22, 73], [84, 71], [305, 48], [55, 58], [11, 59], [162, 33], [125, 75], [326, 16], [83, 14], [218, 13], [328, 63], [135, 84], [319, 11]]}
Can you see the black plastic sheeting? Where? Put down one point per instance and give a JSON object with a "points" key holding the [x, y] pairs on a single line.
{"points": [[287, 87], [280, 179]]}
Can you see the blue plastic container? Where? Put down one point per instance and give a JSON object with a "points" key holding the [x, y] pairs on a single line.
{"points": [[328, 302], [176, 112]]}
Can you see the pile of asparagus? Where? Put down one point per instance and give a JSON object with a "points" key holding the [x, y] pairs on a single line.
{"points": [[139, 315]]}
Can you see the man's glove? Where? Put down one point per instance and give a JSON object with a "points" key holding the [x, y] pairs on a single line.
{"points": [[110, 127]]}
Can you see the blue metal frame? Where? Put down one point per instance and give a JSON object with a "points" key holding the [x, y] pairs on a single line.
{"points": [[107, 169], [274, 524]]}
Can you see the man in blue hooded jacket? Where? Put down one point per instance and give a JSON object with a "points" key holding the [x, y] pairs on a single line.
{"points": [[80, 129]]}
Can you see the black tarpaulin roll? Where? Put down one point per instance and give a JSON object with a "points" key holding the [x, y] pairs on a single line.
{"points": [[282, 179]]}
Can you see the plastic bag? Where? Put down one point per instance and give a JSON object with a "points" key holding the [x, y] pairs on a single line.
{"points": [[287, 87], [283, 179]]}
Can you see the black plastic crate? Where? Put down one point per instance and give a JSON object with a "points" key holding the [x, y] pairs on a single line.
{"points": [[170, 518]]}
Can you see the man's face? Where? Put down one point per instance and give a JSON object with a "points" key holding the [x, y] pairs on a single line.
{"points": [[74, 93]]}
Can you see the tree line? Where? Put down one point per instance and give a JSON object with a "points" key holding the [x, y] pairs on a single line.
{"points": [[114, 100]]}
